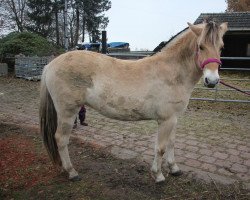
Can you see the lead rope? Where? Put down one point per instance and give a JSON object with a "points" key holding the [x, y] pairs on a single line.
{"points": [[230, 86]]}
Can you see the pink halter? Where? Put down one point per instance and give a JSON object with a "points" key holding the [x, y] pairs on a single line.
{"points": [[209, 60]]}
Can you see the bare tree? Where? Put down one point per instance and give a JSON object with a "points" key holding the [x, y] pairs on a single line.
{"points": [[7, 25], [57, 8], [84, 16], [15, 11]]}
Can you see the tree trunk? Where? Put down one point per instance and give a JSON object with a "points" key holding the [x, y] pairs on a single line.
{"points": [[77, 25], [83, 26], [57, 24], [19, 24]]}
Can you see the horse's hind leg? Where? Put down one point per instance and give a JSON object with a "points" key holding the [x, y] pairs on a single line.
{"points": [[64, 128], [164, 132]]}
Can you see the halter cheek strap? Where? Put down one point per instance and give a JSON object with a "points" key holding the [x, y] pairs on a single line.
{"points": [[209, 60]]}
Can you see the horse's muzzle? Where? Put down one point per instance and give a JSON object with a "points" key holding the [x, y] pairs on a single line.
{"points": [[211, 83]]}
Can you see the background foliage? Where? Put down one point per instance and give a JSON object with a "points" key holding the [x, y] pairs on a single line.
{"points": [[46, 18], [27, 43]]}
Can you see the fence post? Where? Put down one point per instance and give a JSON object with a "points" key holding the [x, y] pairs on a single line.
{"points": [[216, 92], [104, 42]]}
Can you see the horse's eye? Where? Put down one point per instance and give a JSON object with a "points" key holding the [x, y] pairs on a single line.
{"points": [[201, 47]]}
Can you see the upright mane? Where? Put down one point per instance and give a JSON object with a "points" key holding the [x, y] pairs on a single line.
{"points": [[211, 32]]}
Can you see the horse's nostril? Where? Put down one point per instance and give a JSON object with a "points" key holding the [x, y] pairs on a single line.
{"points": [[206, 80]]}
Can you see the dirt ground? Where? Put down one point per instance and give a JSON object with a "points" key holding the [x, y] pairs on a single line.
{"points": [[27, 173]]}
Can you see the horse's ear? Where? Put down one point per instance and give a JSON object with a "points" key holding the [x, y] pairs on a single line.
{"points": [[196, 30], [223, 27]]}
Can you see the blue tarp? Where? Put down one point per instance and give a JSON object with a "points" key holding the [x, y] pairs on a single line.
{"points": [[89, 45], [111, 45]]}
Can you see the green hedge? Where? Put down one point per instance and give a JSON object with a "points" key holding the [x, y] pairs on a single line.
{"points": [[27, 43]]}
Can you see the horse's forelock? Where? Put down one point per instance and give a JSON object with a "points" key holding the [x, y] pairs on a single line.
{"points": [[211, 32]]}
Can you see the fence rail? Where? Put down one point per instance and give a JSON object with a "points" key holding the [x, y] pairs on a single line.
{"points": [[217, 89], [141, 54]]}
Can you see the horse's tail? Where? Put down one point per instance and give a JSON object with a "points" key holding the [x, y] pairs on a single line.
{"points": [[48, 122]]}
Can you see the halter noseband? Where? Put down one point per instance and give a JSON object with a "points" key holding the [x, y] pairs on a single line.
{"points": [[209, 60]]}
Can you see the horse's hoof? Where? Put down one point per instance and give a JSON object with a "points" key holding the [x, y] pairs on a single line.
{"points": [[75, 179], [177, 173], [159, 179]]}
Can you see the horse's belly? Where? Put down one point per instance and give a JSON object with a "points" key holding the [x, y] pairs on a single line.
{"points": [[124, 115], [121, 113], [121, 108]]}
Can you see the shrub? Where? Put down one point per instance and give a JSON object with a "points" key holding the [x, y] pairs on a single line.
{"points": [[27, 43]]}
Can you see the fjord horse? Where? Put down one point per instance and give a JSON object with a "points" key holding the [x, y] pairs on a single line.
{"points": [[156, 87]]}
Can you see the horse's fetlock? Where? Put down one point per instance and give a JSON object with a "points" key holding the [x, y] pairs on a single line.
{"points": [[69, 168]]}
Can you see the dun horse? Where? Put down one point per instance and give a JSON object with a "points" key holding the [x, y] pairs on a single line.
{"points": [[156, 87]]}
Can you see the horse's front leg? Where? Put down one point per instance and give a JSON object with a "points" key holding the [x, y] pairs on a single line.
{"points": [[62, 135], [173, 167], [165, 133]]}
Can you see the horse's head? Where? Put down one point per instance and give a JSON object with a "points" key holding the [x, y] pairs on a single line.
{"points": [[209, 45]]}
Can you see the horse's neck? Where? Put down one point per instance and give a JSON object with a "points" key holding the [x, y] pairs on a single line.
{"points": [[180, 55]]}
